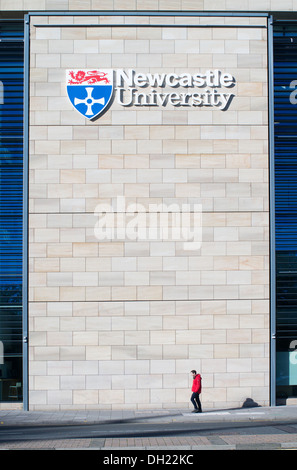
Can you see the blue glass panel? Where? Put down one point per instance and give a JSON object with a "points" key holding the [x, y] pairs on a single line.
{"points": [[285, 71], [285, 146], [11, 208]]}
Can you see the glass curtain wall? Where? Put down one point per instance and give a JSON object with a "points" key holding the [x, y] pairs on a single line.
{"points": [[11, 195], [285, 109]]}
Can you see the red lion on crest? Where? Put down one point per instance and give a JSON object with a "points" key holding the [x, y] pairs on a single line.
{"points": [[92, 76]]}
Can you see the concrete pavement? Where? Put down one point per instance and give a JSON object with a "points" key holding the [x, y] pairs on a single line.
{"points": [[275, 428]]}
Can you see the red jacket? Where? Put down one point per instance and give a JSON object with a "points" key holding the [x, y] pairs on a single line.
{"points": [[196, 387]]}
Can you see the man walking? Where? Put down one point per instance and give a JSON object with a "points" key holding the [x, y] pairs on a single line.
{"points": [[196, 389]]}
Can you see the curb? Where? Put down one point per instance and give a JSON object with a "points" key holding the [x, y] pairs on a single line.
{"points": [[177, 449]]}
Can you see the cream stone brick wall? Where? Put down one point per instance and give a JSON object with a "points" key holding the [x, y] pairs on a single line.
{"points": [[149, 5], [120, 324]]}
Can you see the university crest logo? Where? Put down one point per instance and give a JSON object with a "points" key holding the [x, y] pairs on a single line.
{"points": [[89, 91]]}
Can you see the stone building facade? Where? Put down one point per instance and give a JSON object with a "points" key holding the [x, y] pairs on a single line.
{"points": [[120, 306]]}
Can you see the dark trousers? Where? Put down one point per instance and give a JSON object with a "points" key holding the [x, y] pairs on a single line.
{"points": [[196, 401]]}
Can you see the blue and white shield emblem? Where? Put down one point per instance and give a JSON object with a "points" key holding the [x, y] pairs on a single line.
{"points": [[90, 91]]}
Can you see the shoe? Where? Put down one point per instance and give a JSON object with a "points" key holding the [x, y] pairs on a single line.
{"points": [[195, 411]]}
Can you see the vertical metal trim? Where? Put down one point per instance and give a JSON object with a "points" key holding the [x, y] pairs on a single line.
{"points": [[272, 216], [25, 212]]}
